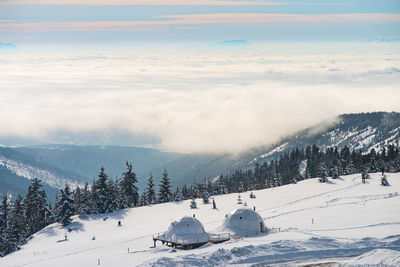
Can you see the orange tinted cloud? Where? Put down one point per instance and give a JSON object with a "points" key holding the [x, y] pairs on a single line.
{"points": [[199, 19]]}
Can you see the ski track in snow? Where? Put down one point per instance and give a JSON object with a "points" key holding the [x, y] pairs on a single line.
{"points": [[89, 249], [311, 197], [355, 227], [298, 201], [390, 195]]}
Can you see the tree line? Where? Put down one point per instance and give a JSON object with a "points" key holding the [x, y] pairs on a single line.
{"points": [[311, 162], [22, 217]]}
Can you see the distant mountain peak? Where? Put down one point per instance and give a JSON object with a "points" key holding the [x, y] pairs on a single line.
{"points": [[231, 43], [7, 46]]}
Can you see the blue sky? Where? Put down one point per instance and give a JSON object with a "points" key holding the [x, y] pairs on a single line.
{"points": [[29, 22]]}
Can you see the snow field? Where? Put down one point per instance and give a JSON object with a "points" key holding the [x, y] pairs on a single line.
{"points": [[312, 221]]}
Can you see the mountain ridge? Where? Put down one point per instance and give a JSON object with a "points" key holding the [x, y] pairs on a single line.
{"points": [[353, 130], [79, 164]]}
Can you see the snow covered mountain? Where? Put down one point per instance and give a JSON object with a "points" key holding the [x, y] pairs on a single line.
{"points": [[357, 131], [17, 169], [55, 164], [341, 222], [365, 131]]}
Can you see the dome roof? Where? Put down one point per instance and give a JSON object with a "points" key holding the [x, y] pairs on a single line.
{"points": [[185, 227], [244, 220]]}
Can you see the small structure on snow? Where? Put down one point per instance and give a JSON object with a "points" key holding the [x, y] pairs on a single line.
{"points": [[239, 200], [188, 233], [193, 204], [384, 180], [245, 222]]}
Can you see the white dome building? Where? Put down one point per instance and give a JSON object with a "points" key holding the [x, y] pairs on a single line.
{"points": [[185, 231], [245, 222]]}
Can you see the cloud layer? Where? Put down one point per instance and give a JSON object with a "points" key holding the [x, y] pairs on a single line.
{"points": [[202, 102], [197, 19]]}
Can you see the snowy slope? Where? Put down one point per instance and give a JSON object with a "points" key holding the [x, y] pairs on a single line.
{"points": [[30, 172], [365, 131], [344, 221]]}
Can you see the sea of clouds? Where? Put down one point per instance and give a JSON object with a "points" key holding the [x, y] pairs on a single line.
{"points": [[195, 102]]}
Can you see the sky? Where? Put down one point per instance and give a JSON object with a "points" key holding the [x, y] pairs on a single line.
{"points": [[84, 22], [160, 73]]}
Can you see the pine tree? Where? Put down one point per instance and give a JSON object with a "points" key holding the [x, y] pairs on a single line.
{"points": [[164, 194], [194, 190], [17, 221], [65, 207], [397, 164], [5, 246], [4, 214], [150, 191], [209, 186], [178, 197], [185, 192], [240, 187], [77, 198], [205, 197], [143, 199], [113, 200], [85, 207], [268, 183], [276, 179], [49, 214], [335, 172], [323, 173], [15, 232], [392, 167], [222, 189], [100, 194], [129, 190], [36, 208], [350, 168]]}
